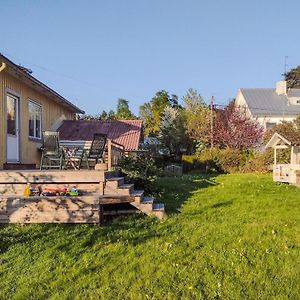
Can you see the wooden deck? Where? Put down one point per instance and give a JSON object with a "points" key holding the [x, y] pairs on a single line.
{"points": [[86, 208], [98, 190]]}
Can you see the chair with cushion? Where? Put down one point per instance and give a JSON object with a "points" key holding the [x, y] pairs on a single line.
{"points": [[95, 153], [52, 154]]}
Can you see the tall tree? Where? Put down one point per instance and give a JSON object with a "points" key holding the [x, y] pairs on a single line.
{"points": [[197, 116], [123, 111], [173, 135], [293, 78], [147, 117], [152, 112]]}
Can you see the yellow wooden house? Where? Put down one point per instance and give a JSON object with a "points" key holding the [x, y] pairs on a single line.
{"points": [[27, 107]]}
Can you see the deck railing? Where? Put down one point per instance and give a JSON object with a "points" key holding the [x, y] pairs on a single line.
{"points": [[114, 154]]}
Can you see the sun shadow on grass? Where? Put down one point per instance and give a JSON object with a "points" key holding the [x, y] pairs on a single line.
{"points": [[14, 234], [175, 191], [222, 204]]}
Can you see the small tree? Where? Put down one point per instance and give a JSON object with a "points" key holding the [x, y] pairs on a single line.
{"points": [[234, 129], [293, 78], [111, 115], [282, 128], [104, 115]]}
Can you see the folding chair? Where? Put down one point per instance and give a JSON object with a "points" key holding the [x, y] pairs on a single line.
{"points": [[96, 150], [52, 154]]}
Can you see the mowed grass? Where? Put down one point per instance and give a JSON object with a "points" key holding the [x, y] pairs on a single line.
{"points": [[227, 237]]}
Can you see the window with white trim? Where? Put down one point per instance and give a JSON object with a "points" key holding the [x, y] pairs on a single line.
{"points": [[35, 120], [270, 125]]}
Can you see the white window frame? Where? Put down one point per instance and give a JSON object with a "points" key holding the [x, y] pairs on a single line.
{"points": [[34, 123], [270, 124]]}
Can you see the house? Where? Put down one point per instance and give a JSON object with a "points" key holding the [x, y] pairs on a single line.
{"points": [[289, 173], [27, 106], [127, 133], [269, 106]]}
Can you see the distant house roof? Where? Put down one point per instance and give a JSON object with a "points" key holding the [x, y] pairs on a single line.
{"points": [[125, 132], [24, 73], [263, 102], [150, 140]]}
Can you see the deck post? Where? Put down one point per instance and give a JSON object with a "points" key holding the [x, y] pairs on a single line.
{"points": [[275, 156], [293, 160], [109, 155]]}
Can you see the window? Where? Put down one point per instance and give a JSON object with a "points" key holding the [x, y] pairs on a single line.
{"points": [[12, 112], [35, 120], [270, 125]]}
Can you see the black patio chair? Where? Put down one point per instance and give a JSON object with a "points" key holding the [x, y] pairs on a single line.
{"points": [[52, 154], [95, 153]]}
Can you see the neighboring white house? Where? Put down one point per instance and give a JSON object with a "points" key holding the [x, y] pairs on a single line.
{"points": [[270, 106]]}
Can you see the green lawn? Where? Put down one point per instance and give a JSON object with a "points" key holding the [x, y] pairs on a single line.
{"points": [[227, 237]]}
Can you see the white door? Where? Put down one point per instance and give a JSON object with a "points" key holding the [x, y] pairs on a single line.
{"points": [[12, 136]]}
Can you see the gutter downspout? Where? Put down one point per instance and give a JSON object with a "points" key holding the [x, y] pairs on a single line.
{"points": [[3, 66]]}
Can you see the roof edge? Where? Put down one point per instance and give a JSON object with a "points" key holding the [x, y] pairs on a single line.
{"points": [[38, 82], [278, 136]]}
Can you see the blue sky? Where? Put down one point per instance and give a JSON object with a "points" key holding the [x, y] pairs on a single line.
{"points": [[94, 52]]}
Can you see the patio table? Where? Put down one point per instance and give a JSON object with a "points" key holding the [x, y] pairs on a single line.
{"points": [[72, 156]]}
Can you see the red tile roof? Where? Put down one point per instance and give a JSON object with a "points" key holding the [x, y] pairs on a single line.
{"points": [[124, 132]]}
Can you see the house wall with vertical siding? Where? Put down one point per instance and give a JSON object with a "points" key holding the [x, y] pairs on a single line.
{"points": [[51, 112]]}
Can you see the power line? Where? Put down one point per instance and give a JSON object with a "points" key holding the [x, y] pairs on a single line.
{"points": [[77, 80]]}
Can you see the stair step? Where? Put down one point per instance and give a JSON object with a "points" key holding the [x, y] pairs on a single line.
{"points": [[115, 182], [114, 199], [126, 186], [114, 178], [137, 193], [147, 200], [121, 211], [158, 206]]}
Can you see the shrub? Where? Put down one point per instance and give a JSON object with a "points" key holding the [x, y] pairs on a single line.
{"points": [[209, 158], [189, 162], [227, 161], [141, 171], [231, 160], [260, 162]]}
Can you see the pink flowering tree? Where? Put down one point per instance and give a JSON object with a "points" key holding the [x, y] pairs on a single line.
{"points": [[234, 129]]}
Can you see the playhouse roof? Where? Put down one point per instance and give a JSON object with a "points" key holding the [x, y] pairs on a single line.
{"points": [[288, 139]]}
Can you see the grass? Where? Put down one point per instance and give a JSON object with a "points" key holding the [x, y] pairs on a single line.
{"points": [[227, 237]]}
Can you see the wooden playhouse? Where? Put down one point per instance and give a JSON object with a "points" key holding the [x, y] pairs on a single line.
{"points": [[289, 173]]}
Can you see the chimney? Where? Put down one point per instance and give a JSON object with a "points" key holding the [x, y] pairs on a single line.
{"points": [[281, 87]]}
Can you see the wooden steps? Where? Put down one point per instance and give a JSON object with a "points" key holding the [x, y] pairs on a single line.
{"points": [[147, 205], [100, 190]]}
